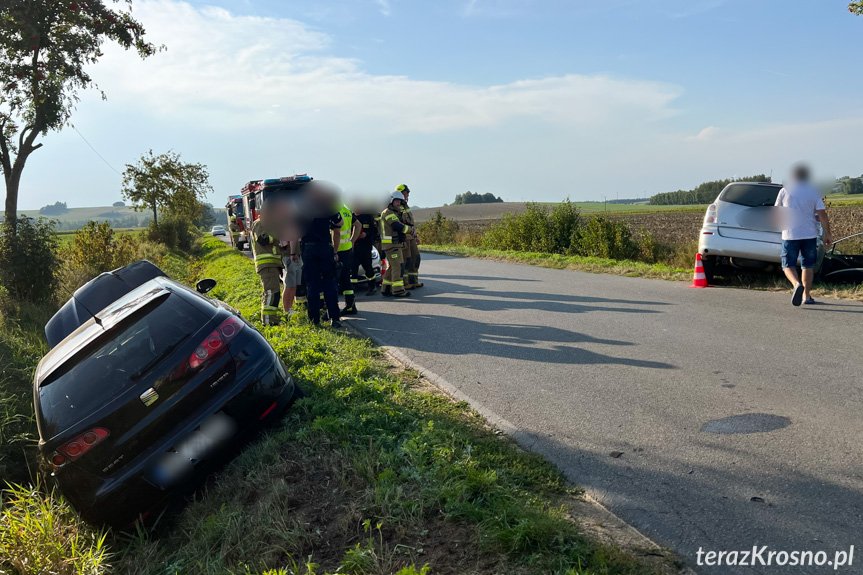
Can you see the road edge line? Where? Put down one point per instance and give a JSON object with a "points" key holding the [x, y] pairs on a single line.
{"points": [[400, 358]]}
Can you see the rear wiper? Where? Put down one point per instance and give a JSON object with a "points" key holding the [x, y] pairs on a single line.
{"points": [[152, 363]]}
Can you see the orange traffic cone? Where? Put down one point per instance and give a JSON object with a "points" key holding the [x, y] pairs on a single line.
{"points": [[699, 279]]}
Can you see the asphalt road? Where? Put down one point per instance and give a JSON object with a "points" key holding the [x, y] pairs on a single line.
{"points": [[583, 365]]}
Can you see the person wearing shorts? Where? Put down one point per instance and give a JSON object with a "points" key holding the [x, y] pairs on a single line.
{"points": [[802, 205]]}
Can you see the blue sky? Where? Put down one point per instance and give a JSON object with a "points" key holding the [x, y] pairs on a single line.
{"points": [[528, 99]]}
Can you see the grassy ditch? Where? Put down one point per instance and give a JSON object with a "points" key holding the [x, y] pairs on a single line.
{"points": [[754, 280], [372, 474], [556, 261]]}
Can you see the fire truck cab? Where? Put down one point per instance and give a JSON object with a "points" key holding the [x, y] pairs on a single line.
{"points": [[237, 224]]}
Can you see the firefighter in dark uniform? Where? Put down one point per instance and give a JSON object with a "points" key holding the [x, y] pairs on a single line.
{"points": [[268, 264], [393, 233], [320, 243], [369, 237], [412, 251]]}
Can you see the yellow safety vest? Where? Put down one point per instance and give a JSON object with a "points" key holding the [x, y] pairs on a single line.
{"points": [[347, 227]]}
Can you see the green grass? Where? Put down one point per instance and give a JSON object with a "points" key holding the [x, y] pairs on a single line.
{"points": [[555, 261], [754, 280], [845, 199], [374, 473], [22, 345], [66, 236], [94, 213]]}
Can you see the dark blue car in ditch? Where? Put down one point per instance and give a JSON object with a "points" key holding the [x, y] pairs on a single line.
{"points": [[148, 386]]}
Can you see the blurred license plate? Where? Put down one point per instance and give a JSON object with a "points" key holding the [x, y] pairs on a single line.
{"points": [[179, 462]]}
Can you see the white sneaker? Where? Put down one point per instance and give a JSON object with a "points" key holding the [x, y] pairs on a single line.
{"points": [[291, 312]]}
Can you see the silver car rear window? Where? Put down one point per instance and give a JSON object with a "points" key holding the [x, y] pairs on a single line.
{"points": [[750, 195]]}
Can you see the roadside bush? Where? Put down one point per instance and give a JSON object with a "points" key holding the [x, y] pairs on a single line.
{"points": [[28, 259], [606, 238], [527, 232], [648, 250], [538, 230], [97, 248], [565, 223], [439, 230], [175, 232]]}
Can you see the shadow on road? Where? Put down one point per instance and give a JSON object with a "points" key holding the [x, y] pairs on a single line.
{"points": [[834, 307], [482, 299], [457, 336]]}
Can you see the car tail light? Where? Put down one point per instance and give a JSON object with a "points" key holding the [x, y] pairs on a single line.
{"points": [[216, 343], [74, 449], [269, 410], [710, 216]]}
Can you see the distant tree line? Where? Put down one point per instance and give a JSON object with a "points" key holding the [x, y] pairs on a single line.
{"points": [[55, 209], [703, 194], [849, 185], [472, 198], [130, 221]]}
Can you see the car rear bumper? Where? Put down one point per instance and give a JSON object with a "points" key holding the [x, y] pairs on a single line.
{"points": [[710, 243], [260, 392]]}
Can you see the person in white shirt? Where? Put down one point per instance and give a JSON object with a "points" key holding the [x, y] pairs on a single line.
{"points": [[804, 208]]}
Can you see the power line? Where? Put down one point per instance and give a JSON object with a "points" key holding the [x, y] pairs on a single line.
{"points": [[95, 151]]}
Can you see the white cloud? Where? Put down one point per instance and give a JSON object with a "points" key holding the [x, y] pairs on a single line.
{"points": [[705, 134], [263, 97], [231, 68], [384, 6]]}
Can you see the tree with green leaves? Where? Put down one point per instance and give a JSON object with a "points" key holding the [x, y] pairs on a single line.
{"points": [[45, 46], [856, 8], [853, 185], [166, 183]]}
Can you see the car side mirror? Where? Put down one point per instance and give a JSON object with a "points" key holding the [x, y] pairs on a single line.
{"points": [[205, 285]]}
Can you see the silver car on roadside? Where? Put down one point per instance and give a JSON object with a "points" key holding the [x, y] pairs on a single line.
{"points": [[740, 232]]}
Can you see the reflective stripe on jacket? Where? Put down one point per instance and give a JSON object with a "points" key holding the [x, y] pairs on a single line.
{"points": [[265, 248], [392, 229]]}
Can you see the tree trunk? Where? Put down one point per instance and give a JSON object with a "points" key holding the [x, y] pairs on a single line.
{"points": [[155, 219], [13, 182]]}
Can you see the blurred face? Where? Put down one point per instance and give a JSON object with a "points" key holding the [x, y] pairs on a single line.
{"points": [[397, 202]]}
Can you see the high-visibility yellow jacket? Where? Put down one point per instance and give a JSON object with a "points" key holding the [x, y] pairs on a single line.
{"points": [[265, 248], [392, 229], [347, 229]]}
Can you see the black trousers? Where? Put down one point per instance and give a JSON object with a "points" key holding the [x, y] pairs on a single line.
{"points": [[346, 263], [319, 272], [362, 257]]}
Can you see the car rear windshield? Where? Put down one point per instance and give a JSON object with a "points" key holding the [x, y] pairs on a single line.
{"points": [[117, 361], [750, 195]]}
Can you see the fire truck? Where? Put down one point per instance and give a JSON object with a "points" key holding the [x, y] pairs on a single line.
{"points": [[250, 202], [235, 209], [255, 192]]}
